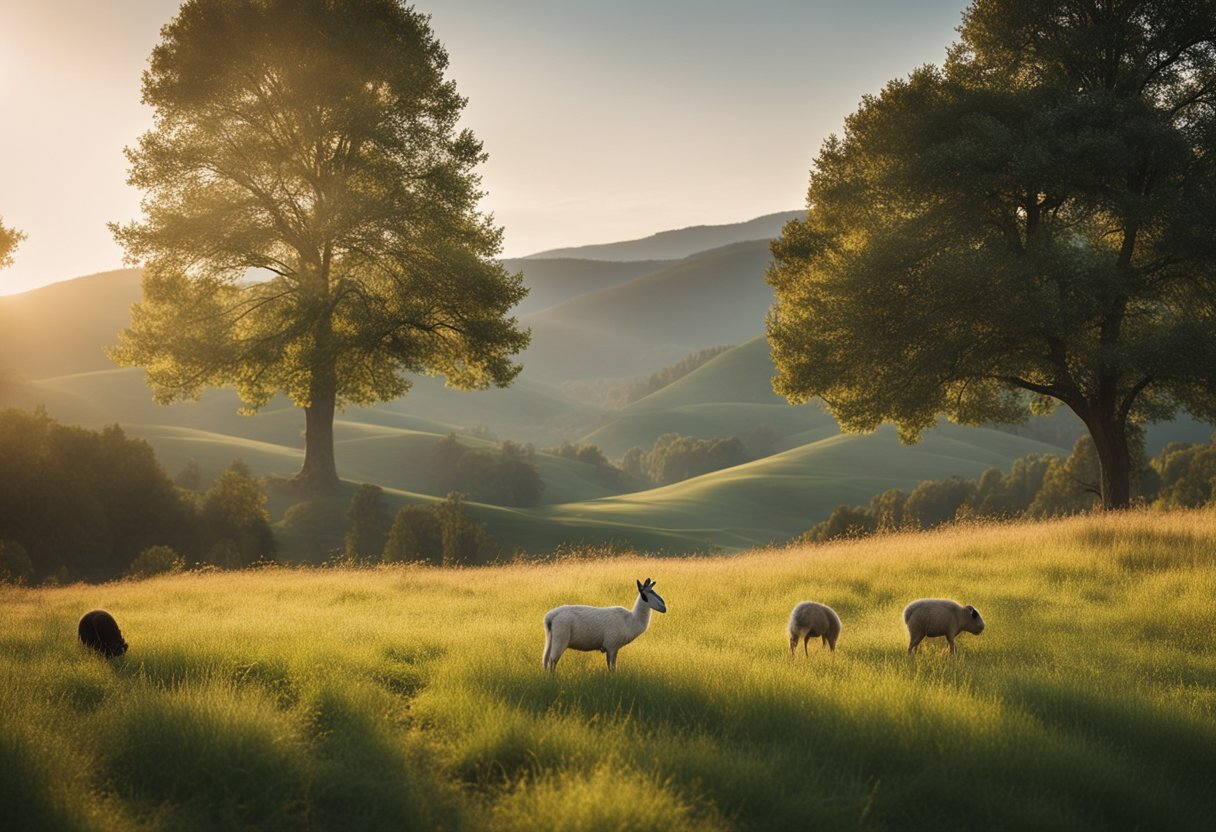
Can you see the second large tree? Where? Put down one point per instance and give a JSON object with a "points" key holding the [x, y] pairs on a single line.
{"points": [[1031, 224], [310, 220]]}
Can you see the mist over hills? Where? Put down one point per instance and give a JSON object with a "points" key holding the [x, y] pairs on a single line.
{"points": [[639, 325], [591, 320], [680, 243]]}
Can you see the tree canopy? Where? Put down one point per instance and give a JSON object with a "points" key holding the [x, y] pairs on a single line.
{"points": [[9, 239], [1027, 225], [310, 222]]}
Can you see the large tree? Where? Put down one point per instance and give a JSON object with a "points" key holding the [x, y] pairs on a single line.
{"points": [[1030, 224], [311, 221]]}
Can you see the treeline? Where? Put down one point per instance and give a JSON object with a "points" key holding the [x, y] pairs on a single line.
{"points": [[507, 476], [440, 534], [84, 505], [1183, 475], [674, 458], [615, 395]]}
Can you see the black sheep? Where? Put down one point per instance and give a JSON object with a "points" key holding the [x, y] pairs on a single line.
{"points": [[99, 630]]}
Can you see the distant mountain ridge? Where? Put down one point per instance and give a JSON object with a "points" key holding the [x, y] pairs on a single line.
{"points": [[677, 244]]}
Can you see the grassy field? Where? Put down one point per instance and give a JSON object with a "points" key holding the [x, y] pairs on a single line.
{"points": [[410, 698]]}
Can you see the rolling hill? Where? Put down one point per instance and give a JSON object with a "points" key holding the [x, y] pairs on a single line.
{"points": [[680, 243], [717, 297], [590, 320], [550, 282]]}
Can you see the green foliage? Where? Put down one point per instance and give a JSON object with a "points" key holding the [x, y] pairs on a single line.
{"points": [[15, 564], [235, 523], [608, 474], [331, 699], [414, 536], [367, 523], [674, 458], [934, 502], [441, 534], [156, 560], [508, 478], [1188, 474], [1069, 486], [844, 521], [333, 165], [464, 541], [1038, 485], [84, 503], [1065, 157], [9, 239]]}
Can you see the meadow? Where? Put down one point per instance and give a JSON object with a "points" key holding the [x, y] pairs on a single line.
{"points": [[413, 698]]}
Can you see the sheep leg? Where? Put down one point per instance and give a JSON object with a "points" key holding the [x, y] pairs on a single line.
{"points": [[556, 645], [805, 651], [915, 641], [950, 639], [611, 659]]}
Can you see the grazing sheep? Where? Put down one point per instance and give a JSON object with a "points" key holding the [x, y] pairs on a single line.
{"points": [[606, 629], [938, 617], [99, 631], [811, 620]]}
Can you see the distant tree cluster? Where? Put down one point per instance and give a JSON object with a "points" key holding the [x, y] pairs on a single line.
{"points": [[78, 504], [1036, 486], [607, 473], [506, 477], [440, 534], [618, 394], [674, 458]]}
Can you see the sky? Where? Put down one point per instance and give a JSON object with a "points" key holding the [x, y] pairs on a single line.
{"points": [[604, 120]]}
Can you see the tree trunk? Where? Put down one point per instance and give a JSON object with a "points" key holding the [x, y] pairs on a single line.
{"points": [[320, 470], [1114, 456]]}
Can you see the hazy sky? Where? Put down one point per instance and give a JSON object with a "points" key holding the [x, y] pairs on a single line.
{"points": [[604, 119]]}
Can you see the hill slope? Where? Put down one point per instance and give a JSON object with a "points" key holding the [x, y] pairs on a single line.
{"points": [[718, 297], [673, 245], [62, 328]]}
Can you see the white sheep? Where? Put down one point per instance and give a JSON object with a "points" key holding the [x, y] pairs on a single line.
{"points": [[939, 617], [606, 629], [811, 620]]}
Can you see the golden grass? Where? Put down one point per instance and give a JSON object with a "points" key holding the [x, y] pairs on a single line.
{"points": [[404, 697]]}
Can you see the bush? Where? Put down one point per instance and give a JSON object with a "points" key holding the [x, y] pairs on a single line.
{"points": [[440, 534], [414, 536], [15, 564], [844, 521], [156, 560]]}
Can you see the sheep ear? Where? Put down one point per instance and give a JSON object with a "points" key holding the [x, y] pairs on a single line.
{"points": [[640, 587]]}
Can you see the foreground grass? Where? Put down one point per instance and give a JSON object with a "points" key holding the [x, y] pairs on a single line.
{"points": [[413, 699]]}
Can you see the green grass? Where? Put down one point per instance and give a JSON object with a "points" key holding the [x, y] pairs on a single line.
{"points": [[410, 698]]}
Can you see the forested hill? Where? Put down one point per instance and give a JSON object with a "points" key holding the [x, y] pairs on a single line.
{"points": [[674, 245]]}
